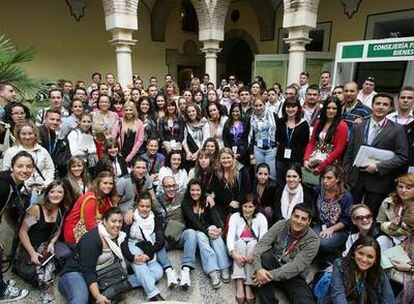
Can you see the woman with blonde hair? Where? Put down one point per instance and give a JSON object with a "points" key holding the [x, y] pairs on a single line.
{"points": [[229, 183], [393, 208], [27, 138], [129, 132]]}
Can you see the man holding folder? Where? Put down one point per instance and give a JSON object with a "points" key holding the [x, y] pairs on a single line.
{"points": [[372, 182]]}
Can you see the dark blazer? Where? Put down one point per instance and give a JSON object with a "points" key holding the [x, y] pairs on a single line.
{"points": [[392, 138], [242, 143]]}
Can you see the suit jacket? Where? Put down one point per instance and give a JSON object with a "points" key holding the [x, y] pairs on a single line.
{"points": [[392, 138], [44, 140]]}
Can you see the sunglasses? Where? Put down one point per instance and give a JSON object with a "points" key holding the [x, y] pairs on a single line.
{"points": [[363, 217]]}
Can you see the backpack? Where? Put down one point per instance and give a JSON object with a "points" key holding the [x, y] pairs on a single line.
{"points": [[61, 154]]}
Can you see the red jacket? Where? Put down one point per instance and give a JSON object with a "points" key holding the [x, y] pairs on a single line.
{"points": [[92, 214], [339, 141]]}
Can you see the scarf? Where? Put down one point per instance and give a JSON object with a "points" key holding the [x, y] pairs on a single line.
{"points": [[142, 228], [286, 206], [114, 246], [264, 125]]}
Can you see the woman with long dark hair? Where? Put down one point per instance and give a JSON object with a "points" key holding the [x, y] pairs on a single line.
{"points": [[236, 134], [90, 206], [39, 233], [146, 115], [203, 170], [77, 181], [202, 218], [246, 228], [329, 138], [171, 129], [359, 278], [112, 160], [193, 134], [333, 211], [292, 133], [214, 126]]}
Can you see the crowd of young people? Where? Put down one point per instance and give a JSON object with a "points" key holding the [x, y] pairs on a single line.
{"points": [[260, 184]]}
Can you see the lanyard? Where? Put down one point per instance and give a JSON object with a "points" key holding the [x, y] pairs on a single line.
{"points": [[286, 249], [289, 135]]}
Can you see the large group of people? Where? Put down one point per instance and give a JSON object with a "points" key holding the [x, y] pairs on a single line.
{"points": [[264, 186]]}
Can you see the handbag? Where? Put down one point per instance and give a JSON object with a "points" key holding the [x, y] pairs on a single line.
{"points": [[113, 280], [80, 228], [320, 153]]}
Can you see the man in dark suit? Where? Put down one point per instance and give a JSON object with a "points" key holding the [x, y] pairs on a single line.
{"points": [[47, 131], [372, 183]]}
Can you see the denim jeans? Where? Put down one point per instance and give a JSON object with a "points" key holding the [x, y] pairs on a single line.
{"points": [[213, 253], [188, 241], [73, 288], [329, 246], [266, 156], [145, 275]]}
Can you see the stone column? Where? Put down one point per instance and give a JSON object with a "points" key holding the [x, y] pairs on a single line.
{"points": [[211, 48], [122, 40], [298, 38]]}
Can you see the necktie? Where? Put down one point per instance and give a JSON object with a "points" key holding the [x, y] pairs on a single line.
{"points": [[374, 132]]}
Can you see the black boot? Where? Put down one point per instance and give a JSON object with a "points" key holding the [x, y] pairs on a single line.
{"points": [[156, 298]]}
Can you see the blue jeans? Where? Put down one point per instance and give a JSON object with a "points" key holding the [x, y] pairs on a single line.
{"points": [[329, 246], [73, 288], [145, 275], [188, 241], [213, 253], [266, 156]]}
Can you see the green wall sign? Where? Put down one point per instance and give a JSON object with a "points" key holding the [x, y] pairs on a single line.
{"points": [[391, 49]]}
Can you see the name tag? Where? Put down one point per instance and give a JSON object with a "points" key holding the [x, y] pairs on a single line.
{"points": [[234, 148], [173, 144], [260, 143], [288, 153], [324, 227]]}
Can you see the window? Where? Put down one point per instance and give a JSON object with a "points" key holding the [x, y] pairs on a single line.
{"points": [[189, 21]]}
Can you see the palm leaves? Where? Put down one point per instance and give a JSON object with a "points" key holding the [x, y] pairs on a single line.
{"points": [[11, 71]]}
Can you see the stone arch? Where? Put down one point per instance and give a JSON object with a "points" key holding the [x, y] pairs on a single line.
{"points": [[161, 9], [265, 11], [245, 46], [230, 37]]}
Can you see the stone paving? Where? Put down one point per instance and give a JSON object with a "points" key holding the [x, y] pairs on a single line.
{"points": [[200, 292]]}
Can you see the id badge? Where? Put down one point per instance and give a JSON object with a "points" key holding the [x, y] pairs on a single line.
{"points": [[288, 153], [324, 227], [260, 143], [410, 169], [234, 148], [173, 144]]}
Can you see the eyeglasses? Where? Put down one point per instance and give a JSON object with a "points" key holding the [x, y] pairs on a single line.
{"points": [[363, 217], [174, 186]]}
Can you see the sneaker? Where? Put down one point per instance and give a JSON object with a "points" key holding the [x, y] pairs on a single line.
{"points": [[13, 293], [215, 279], [225, 275], [185, 281], [172, 278], [46, 295]]}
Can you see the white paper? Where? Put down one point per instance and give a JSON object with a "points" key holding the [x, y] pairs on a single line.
{"points": [[395, 253], [369, 155]]}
